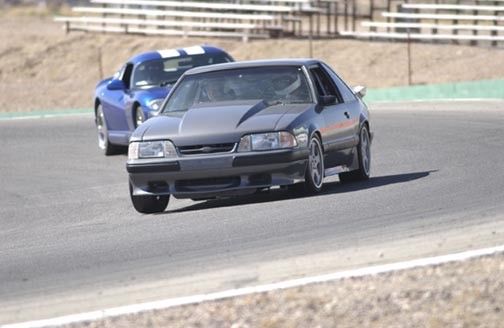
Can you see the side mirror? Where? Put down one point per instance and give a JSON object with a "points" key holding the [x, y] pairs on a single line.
{"points": [[360, 91], [116, 85], [327, 100]]}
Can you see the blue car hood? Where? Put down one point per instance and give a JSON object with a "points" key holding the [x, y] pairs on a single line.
{"points": [[152, 93]]}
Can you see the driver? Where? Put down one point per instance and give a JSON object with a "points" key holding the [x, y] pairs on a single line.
{"points": [[150, 72], [287, 86], [215, 91]]}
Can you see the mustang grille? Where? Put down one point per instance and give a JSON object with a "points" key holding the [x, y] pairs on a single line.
{"points": [[207, 184], [206, 149]]}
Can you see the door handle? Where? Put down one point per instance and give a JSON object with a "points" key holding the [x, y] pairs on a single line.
{"points": [[347, 115]]}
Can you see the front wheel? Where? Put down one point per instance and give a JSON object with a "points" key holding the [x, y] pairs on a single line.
{"points": [[139, 116], [149, 204], [101, 127], [314, 176], [364, 155]]}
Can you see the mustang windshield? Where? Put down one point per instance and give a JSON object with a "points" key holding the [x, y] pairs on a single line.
{"points": [[281, 84], [159, 72]]}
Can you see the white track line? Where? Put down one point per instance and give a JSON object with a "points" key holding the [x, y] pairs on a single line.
{"points": [[41, 116], [448, 100], [379, 102], [172, 302]]}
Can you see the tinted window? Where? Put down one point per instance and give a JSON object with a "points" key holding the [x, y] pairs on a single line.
{"points": [[168, 70], [284, 84], [344, 90], [126, 77], [323, 83]]}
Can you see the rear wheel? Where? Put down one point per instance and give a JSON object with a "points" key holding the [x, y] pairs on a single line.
{"points": [[149, 204], [364, 155], [101, 127]]}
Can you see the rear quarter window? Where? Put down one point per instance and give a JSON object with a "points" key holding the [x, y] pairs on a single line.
{"points": [[346, 93]]}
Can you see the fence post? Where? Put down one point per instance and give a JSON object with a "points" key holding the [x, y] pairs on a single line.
{"points": [[409, 58]]}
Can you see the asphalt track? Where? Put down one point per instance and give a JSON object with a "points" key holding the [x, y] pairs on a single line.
{"points": [[71, 242]]}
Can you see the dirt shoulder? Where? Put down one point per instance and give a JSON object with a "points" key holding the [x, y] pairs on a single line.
{"points": [[460, 294], [42, 68]]}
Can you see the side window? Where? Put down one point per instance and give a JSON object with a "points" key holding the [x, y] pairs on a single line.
{"points": [[126, 77], [323, 83], [117, 75], [346, 93]]}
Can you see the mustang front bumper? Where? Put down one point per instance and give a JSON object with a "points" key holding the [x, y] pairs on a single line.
{"points": [[217, 174]]}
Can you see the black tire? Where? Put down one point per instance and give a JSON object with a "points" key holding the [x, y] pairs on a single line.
{"points": [[139, 116], [314, 176], [364, 155], [149, 204], [101, 127]]}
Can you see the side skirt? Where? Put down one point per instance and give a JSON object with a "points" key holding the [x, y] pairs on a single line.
{"points": [[351, 163]]}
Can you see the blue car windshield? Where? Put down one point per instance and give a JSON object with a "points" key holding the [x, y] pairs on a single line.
{"points": [[161, 72], [273, 84]]}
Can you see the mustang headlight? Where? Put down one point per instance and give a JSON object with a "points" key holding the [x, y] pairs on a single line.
{"points": [[155, 104], [151, 149], [267, 141]]}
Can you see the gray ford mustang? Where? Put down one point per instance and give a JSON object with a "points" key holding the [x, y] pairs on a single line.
{"points": [[236, 128]]}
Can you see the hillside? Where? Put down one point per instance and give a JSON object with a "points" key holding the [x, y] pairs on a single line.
{"points": [[41, 67]]}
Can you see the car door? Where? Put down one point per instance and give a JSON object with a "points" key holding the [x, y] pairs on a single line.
{"points": [[340, 117], [352, 103], [115, 102]]}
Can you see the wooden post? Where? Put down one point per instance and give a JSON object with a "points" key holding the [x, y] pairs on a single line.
{"points": [[436, 21], [310, 36], [494, 32], [311, 25], [345, 10], [100, 63], [318, 19], [409, 58], [455, 22], [336, 13], [354, 14], [328, 18], [388, 18], [475, 32]]}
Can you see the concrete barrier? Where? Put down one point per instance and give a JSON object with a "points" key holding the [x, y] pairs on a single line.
{"points": [[486, 89]]}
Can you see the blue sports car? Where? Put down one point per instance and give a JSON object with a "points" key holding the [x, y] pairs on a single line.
{"points": [[136, 91]]}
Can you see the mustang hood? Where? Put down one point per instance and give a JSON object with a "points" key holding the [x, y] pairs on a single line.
{"points": [[215, 123]]}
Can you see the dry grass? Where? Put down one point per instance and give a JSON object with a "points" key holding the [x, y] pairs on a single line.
{"points": [[43, 68]]}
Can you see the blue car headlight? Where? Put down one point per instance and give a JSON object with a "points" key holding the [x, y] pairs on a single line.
{"points": [[151, 149], [155, 104], [267, 141]]}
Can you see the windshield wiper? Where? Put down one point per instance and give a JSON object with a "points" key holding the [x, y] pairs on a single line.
{"points": [[298, 102], [168, 82], [273, 102]]}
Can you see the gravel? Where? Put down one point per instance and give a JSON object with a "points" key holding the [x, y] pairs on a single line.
{"points": [[459, 294]]}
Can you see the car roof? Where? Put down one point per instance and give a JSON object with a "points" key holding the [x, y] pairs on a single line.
{"points": [[252, 63], [173, 53]]}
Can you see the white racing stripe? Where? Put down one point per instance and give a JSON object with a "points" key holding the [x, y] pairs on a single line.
{"points": [[195, 299], [195, 50], [170, 53]]}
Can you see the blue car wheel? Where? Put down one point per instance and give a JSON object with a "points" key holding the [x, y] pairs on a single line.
{"points": [[139, 116], [101, 126]]}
